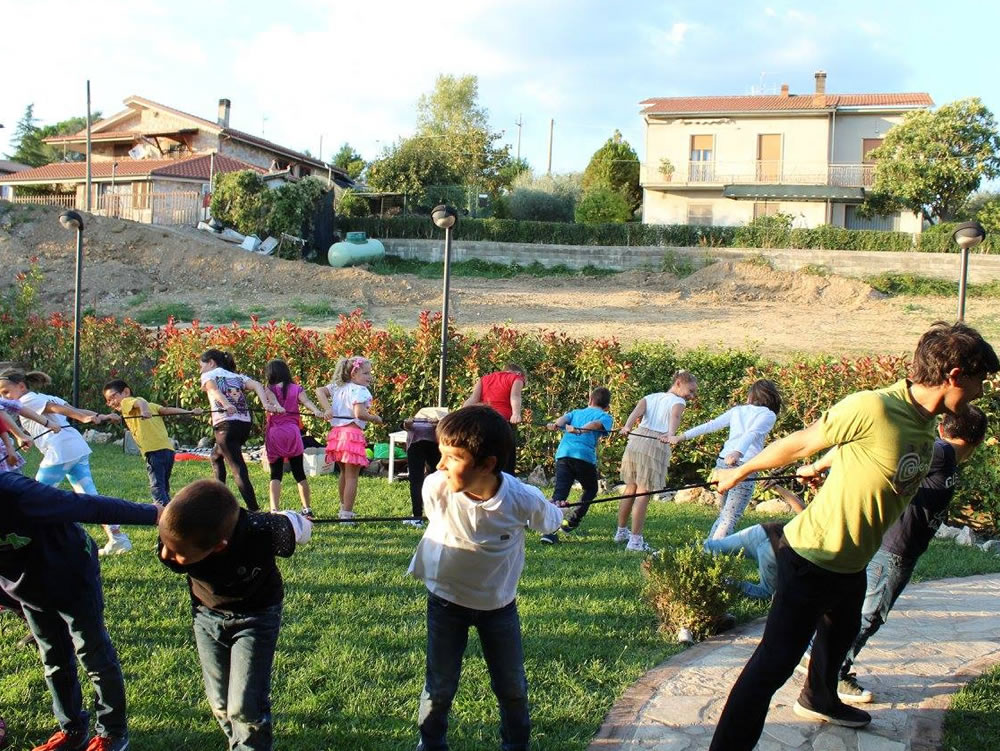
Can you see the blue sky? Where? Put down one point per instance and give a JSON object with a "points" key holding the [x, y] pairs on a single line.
{"points": [[300, 69]]}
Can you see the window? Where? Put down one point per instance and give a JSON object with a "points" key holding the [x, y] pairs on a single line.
{"points": [[867, 146], [702, 159], [700, 214], [766, 208]]}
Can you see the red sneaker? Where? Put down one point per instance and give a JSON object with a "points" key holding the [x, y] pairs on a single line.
{"points": [[65, 742], [104, 743]]}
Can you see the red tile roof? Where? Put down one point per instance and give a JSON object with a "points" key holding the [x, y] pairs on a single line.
{"points": [[778, 103], [196, 168], [114, 135]]}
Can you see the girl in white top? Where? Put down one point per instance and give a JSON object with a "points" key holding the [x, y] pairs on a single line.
{"points": [[345, 402], [748, 426], [64, 452], [646, 460]]}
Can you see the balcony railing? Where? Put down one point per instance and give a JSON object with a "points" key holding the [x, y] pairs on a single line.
{"points": [[763, 172]]}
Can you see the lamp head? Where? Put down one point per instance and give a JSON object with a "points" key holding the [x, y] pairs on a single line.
{"points": [[71, 220], [969, 234], [444, 217]]}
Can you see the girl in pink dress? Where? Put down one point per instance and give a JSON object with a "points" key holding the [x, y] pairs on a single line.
{"points": [[282, 434], [346, 402]]}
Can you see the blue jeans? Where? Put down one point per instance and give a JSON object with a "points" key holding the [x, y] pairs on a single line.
{"points": [[500, 636], [159, 464], [734, 503], [753, 543], [236, 653], [76, 631], [888, 574]]}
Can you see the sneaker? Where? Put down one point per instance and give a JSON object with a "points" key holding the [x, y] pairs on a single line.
{"points": [[117, 545], [852, 692], [105, 743], [622, 534], [844, 715], [550, 539], [417, 523], [638, 545], [308, 513], [803, 666], [346, 515], [63, 741]]}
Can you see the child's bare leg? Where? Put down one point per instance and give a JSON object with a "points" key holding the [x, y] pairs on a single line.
{"points": [[625, 506], [340, 482], [304, 495], [274, 489], [639, 511], [350, 485]]}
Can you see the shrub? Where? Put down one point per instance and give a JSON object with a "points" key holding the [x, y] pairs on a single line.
{"points": [[772, 231], [351, 205], [603, 206], [689, 587], [292, 206], [538, 205], [241, 200]]}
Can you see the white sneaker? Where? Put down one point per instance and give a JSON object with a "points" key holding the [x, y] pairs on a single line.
{"points": [[638, 545], [116, 545], [621, 535], [418, 523], [346, 515]]}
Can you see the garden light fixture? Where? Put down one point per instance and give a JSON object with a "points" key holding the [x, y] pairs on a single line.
{"points": [[73, 221], [444, 217], [967, 235]]}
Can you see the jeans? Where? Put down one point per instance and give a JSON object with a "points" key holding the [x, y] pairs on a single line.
{"points": [[808, 598], [230, 435], [76, 631], [753, 543], [569, 469], [888, 574], [159, 464], [420, 455], [734, 503], [500, 636], [236, 653]]}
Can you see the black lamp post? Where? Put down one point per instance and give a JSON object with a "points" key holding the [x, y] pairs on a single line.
{"points": [[444, 217], [73, 220], [968, 235]]}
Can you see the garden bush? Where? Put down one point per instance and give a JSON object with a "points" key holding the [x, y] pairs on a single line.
{"points": [[603, 205]]}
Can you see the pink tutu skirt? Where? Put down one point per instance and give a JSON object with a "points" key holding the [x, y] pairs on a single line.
{"points": [[346, 444]]}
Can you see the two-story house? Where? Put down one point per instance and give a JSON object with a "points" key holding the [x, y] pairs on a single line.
{"points": [[724, 160], [154, 163]]}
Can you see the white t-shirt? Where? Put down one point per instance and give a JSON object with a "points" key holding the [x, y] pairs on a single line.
{"points": [[472, 552], [748, 426], [57, 448], [342, 401], [658, 408], [231, 385]]}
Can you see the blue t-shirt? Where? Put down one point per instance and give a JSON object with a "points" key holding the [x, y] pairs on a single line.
{"points": [[583, 445]]}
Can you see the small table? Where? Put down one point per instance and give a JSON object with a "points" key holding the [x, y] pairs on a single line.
{"points": [[398, 437]]}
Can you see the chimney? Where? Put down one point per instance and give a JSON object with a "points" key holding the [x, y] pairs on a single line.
{"points": [[820, 83], [224, 105], [784, 90]]}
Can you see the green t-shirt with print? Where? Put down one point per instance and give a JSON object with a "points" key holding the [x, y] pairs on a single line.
{"points": [[886, 444]]}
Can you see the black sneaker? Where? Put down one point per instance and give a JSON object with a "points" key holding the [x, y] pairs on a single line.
{"points": [[550, 539], [852, 692], [843, 714]]}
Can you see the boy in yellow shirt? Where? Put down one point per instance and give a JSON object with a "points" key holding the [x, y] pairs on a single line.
{"points": [[143, 419], [885, 439]]}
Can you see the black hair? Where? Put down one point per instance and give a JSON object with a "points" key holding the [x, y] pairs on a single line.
{"points": [[33, 379], [200, 514], [969, 426], [601, 397], [117, 385], [221, 359], [275, 372], [481, 431]]}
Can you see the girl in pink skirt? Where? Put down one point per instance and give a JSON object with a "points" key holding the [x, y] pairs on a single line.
{"points": [[282, 435], [348, 395]]}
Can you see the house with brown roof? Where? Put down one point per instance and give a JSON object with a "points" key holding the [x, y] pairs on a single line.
{"points": [[6, 168], [725, 160], [153, 163]]}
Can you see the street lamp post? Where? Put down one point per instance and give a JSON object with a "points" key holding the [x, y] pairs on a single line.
{"points": [[444, 217], [967, 235], [73, 220]]}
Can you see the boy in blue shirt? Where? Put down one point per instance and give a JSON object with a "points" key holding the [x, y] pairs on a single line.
{"points": [[576, 457]]}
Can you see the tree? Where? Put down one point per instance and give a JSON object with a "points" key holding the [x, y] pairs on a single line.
{"points": [[616, 166], [603, 205], [409, 166], [349, 160], [28, 140], [931, 162]]}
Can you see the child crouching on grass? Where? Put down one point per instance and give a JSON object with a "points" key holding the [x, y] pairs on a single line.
{"points": [[236, 593], [470, 558], [48, 565]]}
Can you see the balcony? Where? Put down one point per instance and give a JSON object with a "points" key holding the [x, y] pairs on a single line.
{"points": [[760, 172]]}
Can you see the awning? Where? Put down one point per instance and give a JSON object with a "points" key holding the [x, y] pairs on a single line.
{"points": [[793, 193]]}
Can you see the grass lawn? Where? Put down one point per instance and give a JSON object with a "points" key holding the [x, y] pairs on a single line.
{"points": [[973, 721], [350, 660]]}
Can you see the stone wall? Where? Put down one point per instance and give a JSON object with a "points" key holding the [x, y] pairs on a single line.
{"points": [[982, 268]]}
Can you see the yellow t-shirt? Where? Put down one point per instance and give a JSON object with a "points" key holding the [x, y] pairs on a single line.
{"points": [[885, 451], [149, 435]]}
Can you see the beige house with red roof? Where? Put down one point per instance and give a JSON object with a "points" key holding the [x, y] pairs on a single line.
{"points": [[724, 160], [152, 163]]}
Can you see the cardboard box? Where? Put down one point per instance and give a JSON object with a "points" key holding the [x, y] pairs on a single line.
{"points": [[315, 463]]}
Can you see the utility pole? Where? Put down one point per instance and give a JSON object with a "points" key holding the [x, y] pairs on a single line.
{"points": [[87, 202], [519, 123], [552, 125]]}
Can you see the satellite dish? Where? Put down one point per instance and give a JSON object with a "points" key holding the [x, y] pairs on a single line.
{"points": [[137, 152]]}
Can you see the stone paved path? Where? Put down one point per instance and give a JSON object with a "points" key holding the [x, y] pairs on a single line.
{"points": [[939, 636]]}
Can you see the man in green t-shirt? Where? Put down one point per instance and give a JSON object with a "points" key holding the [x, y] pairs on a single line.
{"points": [[885, 441]]}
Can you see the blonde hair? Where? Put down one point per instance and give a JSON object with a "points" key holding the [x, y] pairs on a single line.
{"points": [[684, 376], [33, 379], [345, 368]]}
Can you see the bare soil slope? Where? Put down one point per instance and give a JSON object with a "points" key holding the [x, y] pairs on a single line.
{"points": [[130, 267]]}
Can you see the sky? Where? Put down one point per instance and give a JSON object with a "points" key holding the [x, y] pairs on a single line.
{"points": [[297, 71]]}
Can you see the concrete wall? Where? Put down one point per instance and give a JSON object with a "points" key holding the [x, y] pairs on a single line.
{"points": [[982, 268], [850, 130]]}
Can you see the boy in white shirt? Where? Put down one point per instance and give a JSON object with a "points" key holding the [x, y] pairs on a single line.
{"points": [[470, 558]]}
